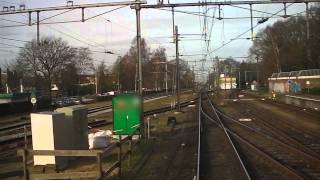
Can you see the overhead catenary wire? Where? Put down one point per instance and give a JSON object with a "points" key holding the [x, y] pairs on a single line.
{"points": [[61, 32], [12, 39], [7, 51], [9, 20], [238, 36], [47, 18], [11, 45], [126, 28]]}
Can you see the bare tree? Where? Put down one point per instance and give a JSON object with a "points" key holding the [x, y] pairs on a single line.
{"points": [[47, 58], [284, 45], [83, 60]]}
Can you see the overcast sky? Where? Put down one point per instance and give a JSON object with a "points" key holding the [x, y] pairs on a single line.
{"points": [[117, 34]]}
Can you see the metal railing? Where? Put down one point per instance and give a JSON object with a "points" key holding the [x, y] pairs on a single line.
{"points": [[296, 74]]}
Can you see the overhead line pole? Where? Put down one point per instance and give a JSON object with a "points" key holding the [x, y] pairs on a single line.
{"points": [[173, 24], [139, 47], [251, 22], [166, 78], [308, 33], [177, 68], [38, 27], [138, 38]]}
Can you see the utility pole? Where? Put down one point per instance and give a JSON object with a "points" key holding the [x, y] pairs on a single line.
{"points": [[251, 22], [173, 80], [173, 25], [177, 68], [218, 68], [38, 27], [96, 81], [138, 9], [239, 81], [166, 78], [308, 33], [119, 72], [231, 78], [193, 79], [0, 80], [136, 78], [257, 58]]}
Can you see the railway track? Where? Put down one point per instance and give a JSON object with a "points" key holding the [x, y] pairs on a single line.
{"points": [[17, 140], [220, 158], [17, 130], [291, 134], [297, 109], [16, 127], [275, 125], [294, 162]]}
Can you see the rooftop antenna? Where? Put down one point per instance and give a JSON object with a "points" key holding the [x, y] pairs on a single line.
{"points": [[22, 7], [5, 8], [69, 3]]}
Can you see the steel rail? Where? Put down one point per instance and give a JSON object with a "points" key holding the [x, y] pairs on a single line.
{"points": [[103, 122], [304, 158], [91, 110], [277, 131], [262, 153], [271, 138], [230, 141]]}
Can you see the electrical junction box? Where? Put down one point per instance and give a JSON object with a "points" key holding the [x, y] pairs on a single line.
{"points": [[50, 132], [77, 118], [126, 110]]}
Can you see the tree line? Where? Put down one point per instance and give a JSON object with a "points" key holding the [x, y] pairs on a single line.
{"points": [[284, 46], [52, 60]]}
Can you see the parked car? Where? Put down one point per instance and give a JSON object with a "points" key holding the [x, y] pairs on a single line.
{"points": [[111, 93], [76, 100]]}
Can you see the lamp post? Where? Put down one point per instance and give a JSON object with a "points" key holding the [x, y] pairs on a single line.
{"points": [[166, 71], [119, 72]]}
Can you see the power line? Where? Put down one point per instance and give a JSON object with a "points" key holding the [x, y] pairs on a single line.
{"points": [[8, 20], [238, 36], [8, 51], [106, 12], [10, 45], [254, 10], [66, 34], [46, 18], [220, 18], [81, 6], [11, 39]]}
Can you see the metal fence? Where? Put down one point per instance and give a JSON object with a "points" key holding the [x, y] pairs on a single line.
{"points": [[296, 74]]}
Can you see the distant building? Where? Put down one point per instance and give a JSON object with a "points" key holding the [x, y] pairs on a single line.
{"points": [[86, 79], [294, 81], [227, 82]]}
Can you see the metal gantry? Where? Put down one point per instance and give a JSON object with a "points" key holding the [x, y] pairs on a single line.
{"points": [[140, 4]]}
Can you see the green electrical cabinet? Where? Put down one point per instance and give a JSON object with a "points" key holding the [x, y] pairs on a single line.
{"points": [[126, 110]]}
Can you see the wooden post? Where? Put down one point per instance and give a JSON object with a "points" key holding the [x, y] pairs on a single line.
{"points": [[119, 158], [25, 168], [25, 137], [130, 150], [99, 166]]}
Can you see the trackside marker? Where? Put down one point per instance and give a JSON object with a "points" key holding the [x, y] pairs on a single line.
{"points": [[245, 119]]}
